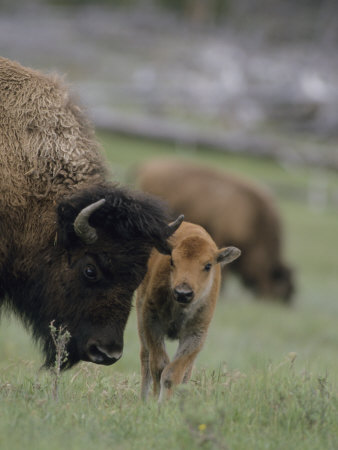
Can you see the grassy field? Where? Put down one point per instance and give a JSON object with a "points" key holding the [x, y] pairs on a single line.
{"points": [[267, 377]]}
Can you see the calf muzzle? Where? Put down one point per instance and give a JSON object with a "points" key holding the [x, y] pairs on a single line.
{"points": [[183, 294]]}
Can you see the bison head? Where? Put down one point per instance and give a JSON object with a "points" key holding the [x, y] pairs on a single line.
{"points": [[282, 284], [87, 280]]}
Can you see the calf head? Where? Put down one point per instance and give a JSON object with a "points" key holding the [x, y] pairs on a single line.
{"points": [[104, 240], [193, 262]]}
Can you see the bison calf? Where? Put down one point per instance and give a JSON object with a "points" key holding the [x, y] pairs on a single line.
{"points": [[176, 300], [205, 196]]}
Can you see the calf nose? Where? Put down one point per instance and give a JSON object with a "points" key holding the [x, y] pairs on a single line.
{"points": [[103, 354], [183, 293]]}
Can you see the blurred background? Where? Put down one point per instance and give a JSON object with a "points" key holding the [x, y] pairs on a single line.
{"points": [[246, 86], [253, 76]]}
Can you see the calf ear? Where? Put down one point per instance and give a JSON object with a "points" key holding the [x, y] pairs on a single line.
{"points": [[227, 255]]}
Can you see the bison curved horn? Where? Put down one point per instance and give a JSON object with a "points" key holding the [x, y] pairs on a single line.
{"points": [[82, 228], [172, 227]]}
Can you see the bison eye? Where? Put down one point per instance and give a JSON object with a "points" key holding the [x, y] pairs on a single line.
{"points": [[171, 262], [207, 267], [90, 272]]}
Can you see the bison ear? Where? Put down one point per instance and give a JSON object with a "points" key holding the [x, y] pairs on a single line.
{"points": [[227, 255], [66, 215]]}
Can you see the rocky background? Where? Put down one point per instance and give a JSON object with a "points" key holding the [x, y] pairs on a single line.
{"points": [[257, 77]]}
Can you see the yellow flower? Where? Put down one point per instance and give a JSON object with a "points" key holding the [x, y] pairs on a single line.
{"points": [[202, 426], [292, 356]]}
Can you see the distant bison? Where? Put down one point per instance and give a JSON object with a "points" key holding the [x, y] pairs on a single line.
{"points": [[233, 210], [73, 246], [177, 299]]}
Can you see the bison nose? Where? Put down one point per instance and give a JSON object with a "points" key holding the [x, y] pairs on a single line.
{"points": [[101, 354], [183, 294]]}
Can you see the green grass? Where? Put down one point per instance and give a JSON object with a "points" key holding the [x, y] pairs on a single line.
{"points": [[266, 379], [271, 406]]}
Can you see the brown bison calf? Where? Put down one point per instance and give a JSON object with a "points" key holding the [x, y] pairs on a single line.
{"points": [[176, 300], [205, 196]]}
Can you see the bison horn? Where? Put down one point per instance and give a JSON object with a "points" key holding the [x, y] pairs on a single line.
{"points": [[172, 227], [82, 228]]}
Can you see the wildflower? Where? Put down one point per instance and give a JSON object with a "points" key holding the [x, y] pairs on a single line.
{"points": [[292, 356], [202, 427]]}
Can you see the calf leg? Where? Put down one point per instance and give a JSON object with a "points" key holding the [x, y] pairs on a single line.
{"points": [[153, 360], [145, 373], [153, 355], [144, 352], [173, 374], [179, 370], [158, 361], [187, 374]]}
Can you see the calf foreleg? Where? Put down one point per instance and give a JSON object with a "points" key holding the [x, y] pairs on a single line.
{"points": [[157, 356], [145, 372], [187, 374], [144, 352], [179, 370], [158, 361]]}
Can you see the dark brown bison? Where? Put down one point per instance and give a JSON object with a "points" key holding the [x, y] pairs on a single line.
{"points": [[234, 211], [73, 246]]}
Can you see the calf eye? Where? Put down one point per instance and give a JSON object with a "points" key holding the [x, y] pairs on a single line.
{"points": [[207, 267], [90, 272]]}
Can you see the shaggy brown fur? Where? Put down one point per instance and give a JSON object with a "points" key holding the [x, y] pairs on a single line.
{"points": [[233, 210], [54, 145], [177, 299], [50, 170], [47, 149]]}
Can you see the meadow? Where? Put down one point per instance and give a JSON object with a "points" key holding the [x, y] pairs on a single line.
{"points": [[267, 377]]}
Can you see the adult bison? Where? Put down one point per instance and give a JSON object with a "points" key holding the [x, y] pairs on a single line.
{"points": [[234, 211], [73, 246]]}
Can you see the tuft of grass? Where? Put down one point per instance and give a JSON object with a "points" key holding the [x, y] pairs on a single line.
{"points": [[60, 337], [274, 406]]}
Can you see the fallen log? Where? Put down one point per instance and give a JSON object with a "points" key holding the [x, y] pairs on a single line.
{"points": [[153, 128]]}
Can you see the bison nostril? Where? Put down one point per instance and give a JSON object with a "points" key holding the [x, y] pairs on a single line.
{"points": [[110, 353], [95, 354], [101, 355]]}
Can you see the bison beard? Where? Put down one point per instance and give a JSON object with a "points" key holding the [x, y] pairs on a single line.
{"points": [[58, 261]]}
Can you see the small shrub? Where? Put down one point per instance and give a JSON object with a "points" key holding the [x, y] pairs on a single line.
{"points": [[60, 337]]}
